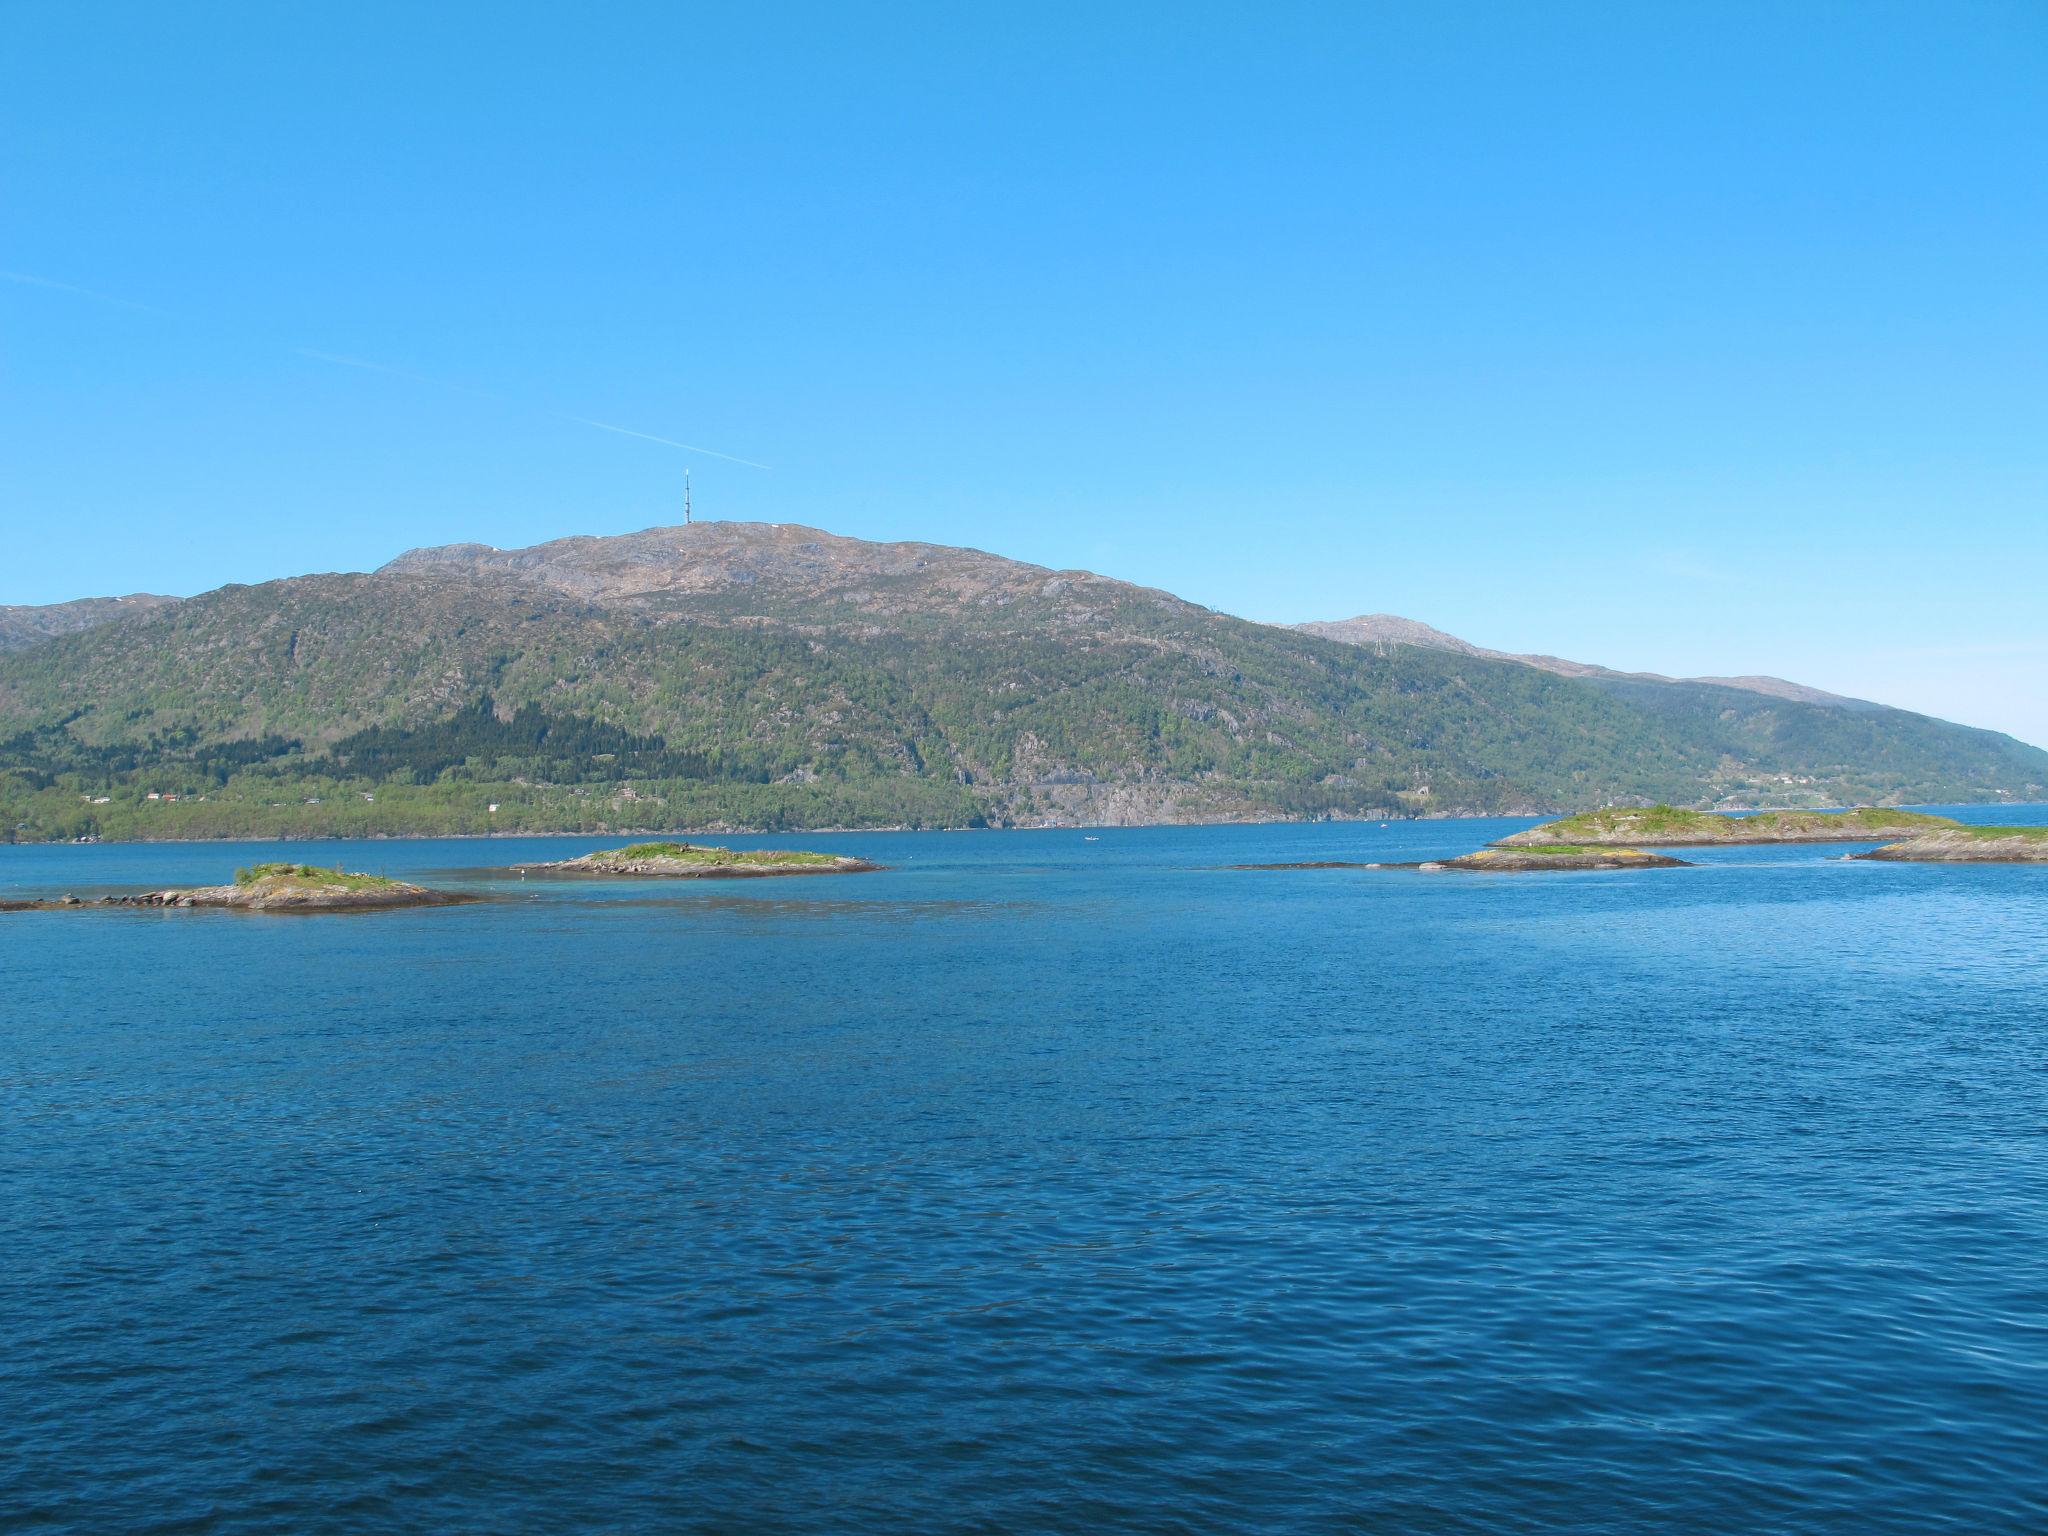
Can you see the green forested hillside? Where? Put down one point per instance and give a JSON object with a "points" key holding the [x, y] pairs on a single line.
{"points": [[411, 700]]}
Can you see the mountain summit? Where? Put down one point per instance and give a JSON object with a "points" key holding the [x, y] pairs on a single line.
{"points": [[775, 562]]}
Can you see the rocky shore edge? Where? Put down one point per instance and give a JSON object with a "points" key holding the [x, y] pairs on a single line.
{"points": [[691, 861], [1968, 845], [1506, 860], [1664, 826], [269, 888], [1321, 864], [1525, 860]]}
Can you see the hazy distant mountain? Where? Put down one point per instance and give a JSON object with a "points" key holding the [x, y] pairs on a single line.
{"points": [[20, 626], [1392, 629], [762, 675]]}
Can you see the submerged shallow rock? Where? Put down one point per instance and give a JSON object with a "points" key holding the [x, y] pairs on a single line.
{"points": [[1968, 845], [689, 861], [1316, 864], [1506, 859]]}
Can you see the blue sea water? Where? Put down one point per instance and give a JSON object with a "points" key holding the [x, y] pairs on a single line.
{"points": [[1034, 1184]]}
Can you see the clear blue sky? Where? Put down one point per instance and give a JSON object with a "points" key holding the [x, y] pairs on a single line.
{"points": [[1689, 337]]}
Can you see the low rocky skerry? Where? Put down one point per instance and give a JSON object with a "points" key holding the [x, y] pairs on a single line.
{"points": [[1968, 845], [1559, 856], [276, 887], [1508, 860], [1666, 826], [1320, 864], [691, 861]]}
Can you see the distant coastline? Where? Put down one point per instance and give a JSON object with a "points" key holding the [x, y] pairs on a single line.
{"points": [[722, 677], [850, 831]]}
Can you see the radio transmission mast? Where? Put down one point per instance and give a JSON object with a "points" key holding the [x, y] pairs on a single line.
{"points": [[686, 496]]}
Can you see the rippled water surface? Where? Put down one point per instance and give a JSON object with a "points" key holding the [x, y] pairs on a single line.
{"points": [[1034, 1184]]}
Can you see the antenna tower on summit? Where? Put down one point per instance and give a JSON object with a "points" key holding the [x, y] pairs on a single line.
{"points": [[686, 496]]}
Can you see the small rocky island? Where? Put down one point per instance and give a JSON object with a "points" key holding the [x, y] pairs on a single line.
{"points": [[690, 861], [1559, 856], [1968, 845], [1665, 826], [1562, 856], [278, 887]]}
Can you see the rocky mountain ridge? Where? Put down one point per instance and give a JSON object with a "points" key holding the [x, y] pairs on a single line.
{"points": [[28, 624], [723, 565], [1392, 629]]}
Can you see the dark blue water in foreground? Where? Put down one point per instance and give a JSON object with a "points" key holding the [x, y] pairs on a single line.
{"points": [[1036, 1184]]}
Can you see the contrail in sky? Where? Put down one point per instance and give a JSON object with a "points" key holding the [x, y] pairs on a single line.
{"points": [[396, 373], [605, 426], [30, 280], [581, 421]]}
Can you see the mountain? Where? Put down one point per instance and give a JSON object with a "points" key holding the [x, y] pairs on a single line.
{"points": [[1379, 629], [727, 675], [23, 626]]}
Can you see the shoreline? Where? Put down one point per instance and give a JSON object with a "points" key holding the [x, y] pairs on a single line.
{"points": [[1077, 826]]}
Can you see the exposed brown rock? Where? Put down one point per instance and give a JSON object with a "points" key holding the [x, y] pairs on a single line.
{"points": [[1969, 845], [1518, 860], [695, 862], [276, 894]]}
